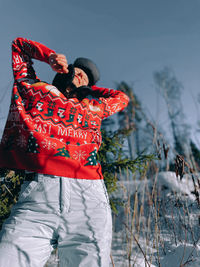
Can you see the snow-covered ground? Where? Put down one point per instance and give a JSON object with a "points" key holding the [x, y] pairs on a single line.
{"points": [[158, 225]]}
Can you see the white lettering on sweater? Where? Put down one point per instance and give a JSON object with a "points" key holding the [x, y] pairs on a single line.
{"points": [[17, 59], [43, 128], [71, 132], [96, 138]]}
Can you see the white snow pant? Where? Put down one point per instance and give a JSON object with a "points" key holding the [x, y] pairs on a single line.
{"points": [[71, 214]]}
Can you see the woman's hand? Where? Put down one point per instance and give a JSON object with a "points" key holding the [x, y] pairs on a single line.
{"points": [[58, 63]]}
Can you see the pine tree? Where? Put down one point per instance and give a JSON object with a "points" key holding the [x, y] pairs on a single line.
{"points": [[115, 161], [92, 160], [126, 117], [62, 152], [171, 90], [32, 146]]}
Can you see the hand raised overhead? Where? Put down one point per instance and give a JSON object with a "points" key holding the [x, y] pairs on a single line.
{"points": [[58, 63]]}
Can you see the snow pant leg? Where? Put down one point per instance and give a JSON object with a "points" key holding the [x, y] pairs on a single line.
{"points": [[26, 236], [85, 231]]}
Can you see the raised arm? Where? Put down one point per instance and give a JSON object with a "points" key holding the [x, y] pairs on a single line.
{"points": [[112, 100], [24, 50]]}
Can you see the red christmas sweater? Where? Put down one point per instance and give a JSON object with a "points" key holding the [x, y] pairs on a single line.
{"points": [[46, 132]]}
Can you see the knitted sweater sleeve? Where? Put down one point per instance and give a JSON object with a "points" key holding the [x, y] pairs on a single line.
{"points": [[23, 51], [111, 100]]}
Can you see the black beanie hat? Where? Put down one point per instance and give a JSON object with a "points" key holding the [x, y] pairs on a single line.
{"points": [[89, 67]]}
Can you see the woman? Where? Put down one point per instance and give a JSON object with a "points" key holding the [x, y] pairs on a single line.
{"points": [[53, 134]]}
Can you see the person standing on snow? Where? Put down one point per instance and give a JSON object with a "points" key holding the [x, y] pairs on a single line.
{"points": [[53, 134]]}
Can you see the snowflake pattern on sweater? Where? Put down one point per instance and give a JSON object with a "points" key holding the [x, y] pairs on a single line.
{"points": [[54, 134]]}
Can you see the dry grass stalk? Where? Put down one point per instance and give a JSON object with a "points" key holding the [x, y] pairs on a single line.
{"points": [[180, 165]]}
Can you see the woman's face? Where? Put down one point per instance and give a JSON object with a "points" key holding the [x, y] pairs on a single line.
{"points": [[80, 78]]}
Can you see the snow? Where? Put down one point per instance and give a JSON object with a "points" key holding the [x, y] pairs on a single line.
{"points": [[184, 186], [182, 253], [158, 224]]}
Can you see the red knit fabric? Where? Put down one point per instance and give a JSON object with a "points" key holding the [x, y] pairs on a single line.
{"points": [[46, 132]]}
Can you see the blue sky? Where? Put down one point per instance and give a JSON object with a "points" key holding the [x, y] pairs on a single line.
{"points": [[128, 40]]}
